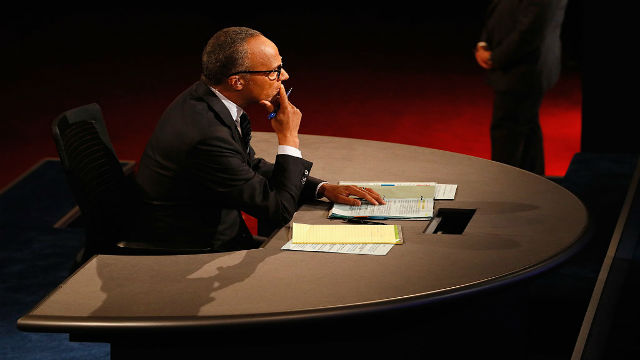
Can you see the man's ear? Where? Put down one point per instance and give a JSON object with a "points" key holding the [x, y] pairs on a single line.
{"points": [[236, 82]]}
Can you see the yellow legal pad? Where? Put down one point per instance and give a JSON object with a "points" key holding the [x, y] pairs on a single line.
{"points": [[345, 234]]}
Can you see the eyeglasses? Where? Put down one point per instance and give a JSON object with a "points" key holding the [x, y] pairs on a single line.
{"points": [[272, 74]]}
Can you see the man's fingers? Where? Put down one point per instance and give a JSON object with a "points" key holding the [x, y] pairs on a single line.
{"points": [[282, 94], [268, 106], [372, 196], [343, 194], [348, 200], [369, 198], [375, 195], [362, 193]]}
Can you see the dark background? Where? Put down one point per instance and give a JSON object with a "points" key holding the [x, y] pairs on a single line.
{"points": [[343, 58], [134, 60]]}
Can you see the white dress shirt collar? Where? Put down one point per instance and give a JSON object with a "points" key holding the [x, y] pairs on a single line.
{"points": [[235, 110]]}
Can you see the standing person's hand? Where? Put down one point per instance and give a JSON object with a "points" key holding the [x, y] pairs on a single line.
{"points": [[483, 56]]}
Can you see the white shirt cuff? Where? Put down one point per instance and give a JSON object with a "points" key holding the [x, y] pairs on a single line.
{"points": [[289, 150], [318, 188]]}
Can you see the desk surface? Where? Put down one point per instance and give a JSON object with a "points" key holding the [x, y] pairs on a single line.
{"points": [[523, 223]]}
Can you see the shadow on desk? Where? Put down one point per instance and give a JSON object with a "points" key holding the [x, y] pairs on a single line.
{"points": [[199, 279]]}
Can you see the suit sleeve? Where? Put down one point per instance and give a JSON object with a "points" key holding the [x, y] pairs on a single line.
{"points": [[265, 169], [262, 190]]}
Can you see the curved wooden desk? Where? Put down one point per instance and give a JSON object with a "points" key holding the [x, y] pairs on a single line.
{"points": [[523, 224]]}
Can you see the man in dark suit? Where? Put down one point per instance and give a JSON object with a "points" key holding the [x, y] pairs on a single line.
{"points": [[199, 172], [520, 47]]}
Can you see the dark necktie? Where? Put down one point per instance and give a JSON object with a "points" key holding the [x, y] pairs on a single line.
{"points": [[245, 128]]}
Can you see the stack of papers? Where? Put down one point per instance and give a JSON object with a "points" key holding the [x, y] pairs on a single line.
{"points": [[350, 239], [404, 200], [398, 209], [345, 234]]}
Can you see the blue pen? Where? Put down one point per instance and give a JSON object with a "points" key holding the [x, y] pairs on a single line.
{"points": [[362, 221], [273, 113]]}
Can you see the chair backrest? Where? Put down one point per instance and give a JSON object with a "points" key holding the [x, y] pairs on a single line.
{"points": [[95, 176]]}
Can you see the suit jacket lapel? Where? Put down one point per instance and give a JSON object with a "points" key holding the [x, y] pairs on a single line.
{"points": [[203, 90]]}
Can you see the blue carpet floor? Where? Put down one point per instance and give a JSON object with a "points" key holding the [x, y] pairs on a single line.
{"points": [[36, 258]]}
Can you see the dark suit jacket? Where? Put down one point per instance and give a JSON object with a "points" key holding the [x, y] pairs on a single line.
{"points": [[196, 176], [524, 36]]}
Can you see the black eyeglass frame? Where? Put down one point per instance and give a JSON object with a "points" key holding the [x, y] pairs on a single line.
{"points": [[278, 71]]}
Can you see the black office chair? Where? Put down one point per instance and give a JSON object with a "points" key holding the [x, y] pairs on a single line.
{"points": [[108, 199]]}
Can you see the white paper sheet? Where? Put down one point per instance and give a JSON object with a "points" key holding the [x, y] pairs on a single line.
{"points": [[359, 249]]}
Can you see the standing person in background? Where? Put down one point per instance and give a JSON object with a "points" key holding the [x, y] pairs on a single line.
{"points": [[521, 49]]}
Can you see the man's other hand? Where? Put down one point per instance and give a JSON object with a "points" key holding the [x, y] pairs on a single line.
{"points": [[340, 194]]}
